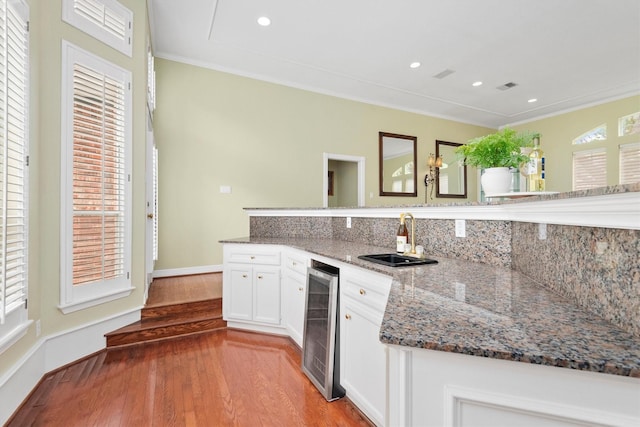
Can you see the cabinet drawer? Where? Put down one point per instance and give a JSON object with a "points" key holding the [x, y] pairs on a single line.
{"points": [[366, 288], [296, 263], [253, 255]]}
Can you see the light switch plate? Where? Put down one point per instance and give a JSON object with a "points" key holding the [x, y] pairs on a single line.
{"points": [[461, 228], [348, 222], [225, 189]]}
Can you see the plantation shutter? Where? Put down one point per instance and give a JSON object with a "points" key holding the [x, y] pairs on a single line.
{"points": [[589, 169], [107, 20], [630, 163], [99, 176], [13, 157]]}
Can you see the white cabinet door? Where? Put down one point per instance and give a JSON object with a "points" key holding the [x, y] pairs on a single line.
{"points": [[437, 388], [251, 287], [294, 283], [363, 359], [266, 293], [240, 296], [293, 288]]}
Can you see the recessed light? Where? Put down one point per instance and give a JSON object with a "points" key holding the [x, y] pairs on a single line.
{"points": [[532, 100], [414, 65], [476, 84], [264, 21]]}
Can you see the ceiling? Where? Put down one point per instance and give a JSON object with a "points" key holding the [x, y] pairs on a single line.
{"points": [[567, 54]]}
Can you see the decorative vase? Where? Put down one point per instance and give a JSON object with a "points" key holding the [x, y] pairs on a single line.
{"points": [[496, 181]]}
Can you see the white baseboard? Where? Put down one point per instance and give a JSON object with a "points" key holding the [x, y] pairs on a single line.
{"points": [[203, 269], [53, 352]]}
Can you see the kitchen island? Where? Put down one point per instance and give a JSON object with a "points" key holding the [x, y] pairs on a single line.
{"points": [[494, 312]]}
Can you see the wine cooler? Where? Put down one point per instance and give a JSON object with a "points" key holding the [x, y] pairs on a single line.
{"points": [[320, 343]]}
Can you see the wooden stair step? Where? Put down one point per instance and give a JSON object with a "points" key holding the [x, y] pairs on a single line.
{"points": [[156, 329], [183, 310]]}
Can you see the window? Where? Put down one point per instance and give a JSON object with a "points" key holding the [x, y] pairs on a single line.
{"points": [[629, 163], [106, 20], [595, 134], [96, 218], [629, 125], [151, 81], [589, 169], [14, 124]]}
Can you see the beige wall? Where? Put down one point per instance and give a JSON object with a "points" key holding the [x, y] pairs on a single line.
{"points": [[265, 141], [46, 33], [558, 132]]}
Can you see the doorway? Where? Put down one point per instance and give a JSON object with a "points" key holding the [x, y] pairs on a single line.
{"points": [[343, 181]]}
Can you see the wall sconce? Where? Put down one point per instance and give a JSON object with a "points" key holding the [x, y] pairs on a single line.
{"points": [[434, 163]]}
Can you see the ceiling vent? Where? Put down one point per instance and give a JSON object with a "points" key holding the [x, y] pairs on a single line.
{"points": [[443, 74], [507, 86]]}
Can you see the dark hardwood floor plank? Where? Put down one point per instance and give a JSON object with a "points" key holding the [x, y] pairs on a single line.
{"points": [[218, 378], [222, 378]]}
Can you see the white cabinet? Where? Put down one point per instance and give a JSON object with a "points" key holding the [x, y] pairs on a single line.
{"points": [[363, 360], [435, 388], [294, 283], [251, 286]]}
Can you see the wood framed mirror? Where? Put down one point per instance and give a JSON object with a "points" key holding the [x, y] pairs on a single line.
{"points": [[397, 165], [451, 179]]}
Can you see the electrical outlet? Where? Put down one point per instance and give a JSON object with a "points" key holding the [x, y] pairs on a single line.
{"points": [[460, 291], [460, 228], [542, 231], [348, 222], [38, 328]]}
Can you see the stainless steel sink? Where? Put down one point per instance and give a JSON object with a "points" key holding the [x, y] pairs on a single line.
{"points": [[396, 260]]}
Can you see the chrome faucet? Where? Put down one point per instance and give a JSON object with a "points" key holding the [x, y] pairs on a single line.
{"points": [[413, 232]]}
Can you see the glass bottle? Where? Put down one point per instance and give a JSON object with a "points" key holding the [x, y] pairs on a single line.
{"points": [[402, 236], [534, 177]]}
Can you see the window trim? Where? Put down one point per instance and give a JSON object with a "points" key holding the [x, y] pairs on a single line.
{"points": [[125, 45], [73, 298]]}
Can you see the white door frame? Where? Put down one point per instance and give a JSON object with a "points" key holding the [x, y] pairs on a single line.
{"points": [[325, 180], [149, 208]]}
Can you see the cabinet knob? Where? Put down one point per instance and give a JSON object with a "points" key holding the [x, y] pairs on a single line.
{"points": [[150, 216], [259, 276], [244, 276], [294, 263], [252, 257], [347, 316], [301, 289], [362, 292]]}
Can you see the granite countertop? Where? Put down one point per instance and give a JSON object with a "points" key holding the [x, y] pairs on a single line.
{"points": [[599, 191], [482, 310]]}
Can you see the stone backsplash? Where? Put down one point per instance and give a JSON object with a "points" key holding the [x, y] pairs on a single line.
{"points": [[487, 242], [597, 268]]}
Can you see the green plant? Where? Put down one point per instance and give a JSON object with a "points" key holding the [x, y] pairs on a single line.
{"points": [[500, 149]]}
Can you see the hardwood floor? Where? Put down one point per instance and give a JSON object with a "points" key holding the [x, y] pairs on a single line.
{"points": [[219, 378]]}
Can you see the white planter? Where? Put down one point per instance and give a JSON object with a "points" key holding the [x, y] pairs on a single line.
{"points": [[496, 181]]}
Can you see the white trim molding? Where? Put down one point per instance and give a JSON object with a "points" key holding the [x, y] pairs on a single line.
{"points": [[187, 271], [618, 210], [342, 158], [456, 397]]}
